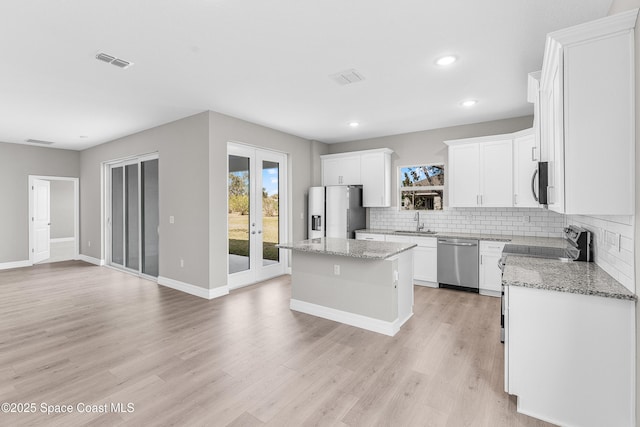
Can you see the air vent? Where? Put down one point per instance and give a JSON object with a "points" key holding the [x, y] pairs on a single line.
{"points": [[118, 62], [39, 141], [104, 57], [347, 77]]}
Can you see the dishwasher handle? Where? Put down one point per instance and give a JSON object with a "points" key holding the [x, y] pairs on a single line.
{"points": [[446, 242]]}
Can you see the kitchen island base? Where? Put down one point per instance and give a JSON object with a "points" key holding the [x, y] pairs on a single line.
{"points": [[372, 294]]}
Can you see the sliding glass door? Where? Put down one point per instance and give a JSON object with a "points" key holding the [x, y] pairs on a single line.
{"points": [[133, 215], [256, 223]]}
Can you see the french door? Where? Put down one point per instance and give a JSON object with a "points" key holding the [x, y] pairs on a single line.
{"points": [[133, 215], [256, 222]]}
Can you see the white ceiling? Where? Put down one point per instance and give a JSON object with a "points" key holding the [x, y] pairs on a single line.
{"points": [[268, 62]]}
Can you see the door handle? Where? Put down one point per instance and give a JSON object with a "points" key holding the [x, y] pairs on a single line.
{"points": [[533, 185], [457, 244]]}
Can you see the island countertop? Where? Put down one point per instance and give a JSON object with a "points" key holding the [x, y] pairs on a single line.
{"points": [[349, 247]]}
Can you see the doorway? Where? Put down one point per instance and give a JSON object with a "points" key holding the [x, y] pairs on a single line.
{"points": [[132, 215], [53, 218], [256, 221]]}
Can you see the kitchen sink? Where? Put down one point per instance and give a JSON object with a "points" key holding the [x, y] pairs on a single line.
{"points": [[427, 232]]}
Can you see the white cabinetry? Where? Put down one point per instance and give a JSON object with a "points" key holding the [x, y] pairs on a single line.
{"points": [[370, 236], [370, 168], [375, 170], [490, 279], [341, 170], [570, 358], [425, 255], [587, 116], [481, 172], [464, 170], [525, 165]]}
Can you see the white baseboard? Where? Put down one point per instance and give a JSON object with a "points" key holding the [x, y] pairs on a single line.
{"points": [[426, 284], [63, 239], [192, 289], [489, 293], [15, 264], [91, 260], [357, 320]]}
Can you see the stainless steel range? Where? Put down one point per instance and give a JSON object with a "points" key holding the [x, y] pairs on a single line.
{"points": [[578, 248]]}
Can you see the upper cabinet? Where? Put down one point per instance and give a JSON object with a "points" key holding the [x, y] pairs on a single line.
{"points": [[341, 170], [481, 172], [375, 173], [586, 113], [369, 168]]}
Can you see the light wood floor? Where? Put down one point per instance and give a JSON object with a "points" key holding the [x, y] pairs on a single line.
{"points": [[74, 333]]}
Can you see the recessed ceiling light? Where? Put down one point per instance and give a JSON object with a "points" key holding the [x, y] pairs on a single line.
{"points": [[469, 103], [446, 60], [354, 124]]}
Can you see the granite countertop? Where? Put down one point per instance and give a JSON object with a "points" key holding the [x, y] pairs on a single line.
{"points": [[576, 277], [554, 242], [349, 247]]}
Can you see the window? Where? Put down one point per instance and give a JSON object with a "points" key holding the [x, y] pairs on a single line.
{"points": [[422, 187]]}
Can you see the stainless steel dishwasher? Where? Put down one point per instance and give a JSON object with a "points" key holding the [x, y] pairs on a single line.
{"points": [[458, 263]]}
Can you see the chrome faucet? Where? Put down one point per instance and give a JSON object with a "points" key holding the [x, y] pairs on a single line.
{"points": [[417, 219]]}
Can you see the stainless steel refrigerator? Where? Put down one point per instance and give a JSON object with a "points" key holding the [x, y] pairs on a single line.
{"points": [[336, 211]]}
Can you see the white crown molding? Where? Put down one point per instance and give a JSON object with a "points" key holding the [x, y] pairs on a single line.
{"points": [[352, 319], [192, 289], [15, 264], [606, 26]]}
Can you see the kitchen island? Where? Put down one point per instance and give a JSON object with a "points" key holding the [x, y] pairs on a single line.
{"points": [[360, 283]]}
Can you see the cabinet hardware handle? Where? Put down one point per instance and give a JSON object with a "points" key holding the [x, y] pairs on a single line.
{"points": [[480, 259], [477, 199], [533, 154]]}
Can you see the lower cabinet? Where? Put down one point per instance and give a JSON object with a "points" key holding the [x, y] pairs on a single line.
{"points": [[370, 236], [425, 255], [425, 261], [570, 358], [490, 279]]}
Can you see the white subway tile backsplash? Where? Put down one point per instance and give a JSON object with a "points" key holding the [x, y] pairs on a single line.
{"points": [[504, 221], [617, 261]]}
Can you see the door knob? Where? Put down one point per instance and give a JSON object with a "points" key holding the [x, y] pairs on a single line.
{"points": [[253, 232], [259, 231]]}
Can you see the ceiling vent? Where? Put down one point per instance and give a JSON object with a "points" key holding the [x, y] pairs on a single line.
{"points": [[347, 77], [39, 141], [118, 62]]}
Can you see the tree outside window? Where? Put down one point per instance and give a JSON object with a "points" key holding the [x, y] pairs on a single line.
{"points": [[422, 187]]}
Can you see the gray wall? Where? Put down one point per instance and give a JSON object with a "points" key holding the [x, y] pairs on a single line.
{"points": [[61, 204], [17, 162], [224, 129], [184, 187], [616, 7], [317, 149], [427, 146]]}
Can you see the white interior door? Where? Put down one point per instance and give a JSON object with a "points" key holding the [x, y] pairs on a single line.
{"points": [[41, 219], [257, 214]]}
